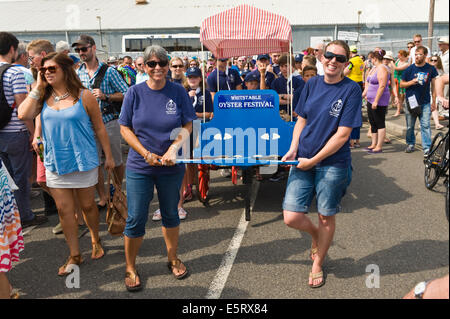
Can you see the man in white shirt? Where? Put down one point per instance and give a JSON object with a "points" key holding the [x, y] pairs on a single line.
{"points": [[318, 52], [141, 76], [412, 54], [443, 47]]}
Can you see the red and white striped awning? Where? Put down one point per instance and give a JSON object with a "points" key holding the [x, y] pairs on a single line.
{"points": [[245, 30]]}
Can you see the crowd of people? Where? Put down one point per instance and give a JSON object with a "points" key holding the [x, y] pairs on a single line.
{"points": [[82, 109]]}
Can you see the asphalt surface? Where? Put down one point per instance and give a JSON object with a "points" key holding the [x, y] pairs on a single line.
{"points": [[389, 220]]}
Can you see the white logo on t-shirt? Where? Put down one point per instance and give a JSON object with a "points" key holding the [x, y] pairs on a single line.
{"points": [[336, 108], [171, 107]]}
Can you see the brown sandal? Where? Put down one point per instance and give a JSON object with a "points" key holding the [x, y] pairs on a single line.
{"points": [[315, 276], [97, 248], [176, 264], [133, 276], [76, 260], [313, 253]]}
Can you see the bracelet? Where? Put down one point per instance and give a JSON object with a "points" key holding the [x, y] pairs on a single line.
{"points": [[147, 154], [35, 94]]}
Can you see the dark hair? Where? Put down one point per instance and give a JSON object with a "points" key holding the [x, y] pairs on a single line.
{"points": [[342, 44], [284, 59], [72, 82], [127, 57], [423, 49], [379, 54], [309, 68], [7, 40]]}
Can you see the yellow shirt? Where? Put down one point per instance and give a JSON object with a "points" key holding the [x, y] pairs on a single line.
{"points": [[357, 69]]}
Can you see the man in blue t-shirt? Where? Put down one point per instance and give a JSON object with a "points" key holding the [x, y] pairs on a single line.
{"points": [[229, 79], [416, 79]]}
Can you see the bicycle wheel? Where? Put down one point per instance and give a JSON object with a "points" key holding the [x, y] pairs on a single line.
{"points": [[434, 161]]}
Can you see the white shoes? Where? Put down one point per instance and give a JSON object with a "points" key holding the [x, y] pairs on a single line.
{"points": [[181, 213]]}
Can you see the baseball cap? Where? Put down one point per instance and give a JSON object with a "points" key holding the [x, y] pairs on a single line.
{"points": [[84, 39], [245, 72], [443, 40], [263, 56], [299, 58], [112, 59], [353, 49], [252, 77], [193, 72]]}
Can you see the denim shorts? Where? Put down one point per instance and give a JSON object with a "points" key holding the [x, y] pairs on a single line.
{"points": [[140, 189], [328, 183]]}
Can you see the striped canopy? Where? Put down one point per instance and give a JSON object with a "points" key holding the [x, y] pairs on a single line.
{"points": [[245, 30]]}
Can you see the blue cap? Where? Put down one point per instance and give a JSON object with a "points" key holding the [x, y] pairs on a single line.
{"points": [[193, 72], [299, 58], [245, 72], [252, 76], [263, 56], [74, 58]]}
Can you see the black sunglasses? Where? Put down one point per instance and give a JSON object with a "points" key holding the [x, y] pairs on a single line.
{"points": [[434, 60], [177, 66], [51, 69], [339, 57], [152, 64], [82, 49]]}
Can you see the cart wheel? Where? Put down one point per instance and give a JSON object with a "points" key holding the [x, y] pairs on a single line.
{"points": [[203, 181], [234, 175]]}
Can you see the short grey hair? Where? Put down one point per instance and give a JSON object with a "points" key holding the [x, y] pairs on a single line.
{"points": [[62, 46], [157, 51], [21, 49]]}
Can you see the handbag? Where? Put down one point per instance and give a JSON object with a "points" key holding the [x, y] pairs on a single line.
{"points": [[117, 211]]}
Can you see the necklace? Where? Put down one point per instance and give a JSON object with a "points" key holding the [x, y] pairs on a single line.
{"points": [[60, 97]]}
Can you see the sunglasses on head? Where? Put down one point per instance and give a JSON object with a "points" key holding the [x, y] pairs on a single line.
{"points": [[82, 49], [339, 57], [50, 69], [152, 64]]}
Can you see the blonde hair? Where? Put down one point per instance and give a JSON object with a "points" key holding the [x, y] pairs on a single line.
{"points": [[183, 77], [40, 45]]}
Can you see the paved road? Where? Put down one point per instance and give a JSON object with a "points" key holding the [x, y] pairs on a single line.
{"points": [[389, 220]]}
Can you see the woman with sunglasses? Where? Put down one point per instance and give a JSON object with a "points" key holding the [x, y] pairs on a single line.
{"points": [[70, 116], [377, 93], [328, 109], [437, 63], [177, 70], [156, 121]]}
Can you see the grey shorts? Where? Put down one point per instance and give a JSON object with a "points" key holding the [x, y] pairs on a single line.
{"points": [[113, 130]]}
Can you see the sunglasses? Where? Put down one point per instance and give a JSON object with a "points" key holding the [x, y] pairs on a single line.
{"points": [[177, 66], [417, 41], [82, 49], [433, 60], [139, 64], [339, 57], [50, 69], [152, 64], [410, 46]]}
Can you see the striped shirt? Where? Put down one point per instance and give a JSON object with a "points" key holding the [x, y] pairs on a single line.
{"points": [[13, 83], [112, 83]]}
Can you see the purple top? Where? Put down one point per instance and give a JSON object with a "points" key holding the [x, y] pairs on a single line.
{"points": [[373, 88]]}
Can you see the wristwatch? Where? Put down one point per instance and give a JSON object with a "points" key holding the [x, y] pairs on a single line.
{"points": [[419, 290], [107, 98]]}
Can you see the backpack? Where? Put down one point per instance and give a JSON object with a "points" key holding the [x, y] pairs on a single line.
{"points": [[112, 107], [5, 109]]}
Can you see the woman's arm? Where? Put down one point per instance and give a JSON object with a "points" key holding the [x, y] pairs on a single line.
{"points": [[299, 126], [333, 145], [169, 158], [93, 110], [30, 107]]}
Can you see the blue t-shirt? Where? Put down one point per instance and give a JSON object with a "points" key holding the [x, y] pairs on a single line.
{"points": [[227, 80], [325, 108], [298, 91], [269, 77], [197, 101], [152, 115], [280, 84], [425, 73]]}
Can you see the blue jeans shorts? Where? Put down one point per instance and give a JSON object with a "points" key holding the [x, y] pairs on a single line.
{"points": [[328, 183], [140, 189]]}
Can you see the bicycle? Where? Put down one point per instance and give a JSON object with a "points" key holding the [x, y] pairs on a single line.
{"points": [[437, 160]]}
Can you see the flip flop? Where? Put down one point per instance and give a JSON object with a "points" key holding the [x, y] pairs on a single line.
{"points": [[133, 276], [317, 276], [176, 263]]}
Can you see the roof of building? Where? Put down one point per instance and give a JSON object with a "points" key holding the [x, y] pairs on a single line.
{"points": [[79, 15]]}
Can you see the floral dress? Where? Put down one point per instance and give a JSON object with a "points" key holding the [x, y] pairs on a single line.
{"points": [[11, 238]]}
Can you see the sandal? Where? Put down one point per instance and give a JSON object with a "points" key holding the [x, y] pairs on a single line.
{"points": [[313, 277], [176, 264], [76, 260], [13, 295], [133, 276], [97, 248]]}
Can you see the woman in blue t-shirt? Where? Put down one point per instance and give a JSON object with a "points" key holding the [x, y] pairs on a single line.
{"points": [[153, 112], [329, 108]]}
